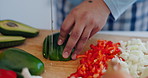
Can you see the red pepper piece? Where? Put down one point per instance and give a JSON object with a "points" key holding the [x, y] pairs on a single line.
{"points": [[94, 61], [7, 74]]}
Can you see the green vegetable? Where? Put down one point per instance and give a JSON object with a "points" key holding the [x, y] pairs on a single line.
{"points": [[9, 41], [17, 59], [54, 54], [10, 27]]}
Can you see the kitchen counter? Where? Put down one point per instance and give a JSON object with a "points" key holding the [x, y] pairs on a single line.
{"points": [[58, 69]]}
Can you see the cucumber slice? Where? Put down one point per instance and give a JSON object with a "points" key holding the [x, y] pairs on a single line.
{"points": [[54, 54]]}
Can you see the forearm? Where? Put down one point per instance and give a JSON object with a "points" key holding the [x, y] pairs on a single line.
{"points": [[117, 7]]}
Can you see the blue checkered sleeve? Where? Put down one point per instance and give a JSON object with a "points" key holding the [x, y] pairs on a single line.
{"points": [[135, 18], [117, 7]]}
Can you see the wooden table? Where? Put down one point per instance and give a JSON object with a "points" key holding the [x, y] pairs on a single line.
{"points": [[58, 69]]}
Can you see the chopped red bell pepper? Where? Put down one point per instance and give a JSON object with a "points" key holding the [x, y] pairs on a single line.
{"points": [[94, 61], [7, 74]]}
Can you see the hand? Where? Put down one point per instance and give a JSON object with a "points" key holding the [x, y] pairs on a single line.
{"points": [[114, 71], [83, 22]]}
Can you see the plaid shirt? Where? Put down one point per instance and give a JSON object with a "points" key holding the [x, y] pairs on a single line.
{"points": [[135, 18]]}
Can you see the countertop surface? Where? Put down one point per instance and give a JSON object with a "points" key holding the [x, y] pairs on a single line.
{"points": [[58, 69]]}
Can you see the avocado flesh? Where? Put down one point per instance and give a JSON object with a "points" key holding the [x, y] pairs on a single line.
{"points": [[10, 38], [9, 41], [10, 27]]}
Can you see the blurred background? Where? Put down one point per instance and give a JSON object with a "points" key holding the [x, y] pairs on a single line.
{"points": [[35, 13]]}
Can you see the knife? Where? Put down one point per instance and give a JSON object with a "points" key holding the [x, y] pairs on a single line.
{"points": [[51, 22]]}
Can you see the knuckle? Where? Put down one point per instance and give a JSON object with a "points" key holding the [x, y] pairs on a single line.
{"points": [[74, 11], [100, 23], [85, 16], [64, 29], [92, 22], [68, 48], [78, 49], [98, 28], [62, 37], [84, 39], [85, 13], [75, 35], [63, 33]]}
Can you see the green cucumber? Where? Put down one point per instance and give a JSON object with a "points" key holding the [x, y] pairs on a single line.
{"points": [[9, 41], [54, 54], [17, 59], [14, 28]]}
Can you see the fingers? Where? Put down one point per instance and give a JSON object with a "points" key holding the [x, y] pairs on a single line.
{"points": [[84, 37], [65, 29], [73, 39], [87, 33], [113, 66], [116, 66], [94, 31]]}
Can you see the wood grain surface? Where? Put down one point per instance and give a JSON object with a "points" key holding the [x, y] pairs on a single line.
{"points": [[58, 69]]}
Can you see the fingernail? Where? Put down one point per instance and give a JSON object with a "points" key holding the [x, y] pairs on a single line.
{"points": [[65, 54], [60, 42], [74, 56]]}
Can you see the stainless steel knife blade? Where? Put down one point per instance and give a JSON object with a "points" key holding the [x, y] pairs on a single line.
{"points": [[51, 22]]}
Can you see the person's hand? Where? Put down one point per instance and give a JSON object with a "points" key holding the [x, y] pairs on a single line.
{"points": [[83, 22], [114, 71]]}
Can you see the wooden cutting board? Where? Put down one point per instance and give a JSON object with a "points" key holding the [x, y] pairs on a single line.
{"points": [[58, 69]]}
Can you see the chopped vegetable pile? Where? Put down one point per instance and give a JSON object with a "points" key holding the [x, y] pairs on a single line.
{"points": [[94, 62], [134, 53], [26, 74], [131, 55]]}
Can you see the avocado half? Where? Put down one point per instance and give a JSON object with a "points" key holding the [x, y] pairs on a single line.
{"points": [[9, 41], [14, 28]]}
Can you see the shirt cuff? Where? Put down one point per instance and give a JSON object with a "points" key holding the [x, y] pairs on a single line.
{"points": [[117, 7]]}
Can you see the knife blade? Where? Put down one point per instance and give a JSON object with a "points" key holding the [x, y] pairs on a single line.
{"points": [[51, 22]]}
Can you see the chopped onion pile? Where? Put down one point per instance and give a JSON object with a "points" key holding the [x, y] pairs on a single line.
{"points": [[26, 74], [133, 53]]}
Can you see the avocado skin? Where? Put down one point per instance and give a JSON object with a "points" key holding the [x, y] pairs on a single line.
{"points": [[54, 54], [11, 43], [17, 59], [18, 33], [6, 44]]}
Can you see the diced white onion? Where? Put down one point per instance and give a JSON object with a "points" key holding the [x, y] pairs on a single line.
{"points": [[133, 51]]}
